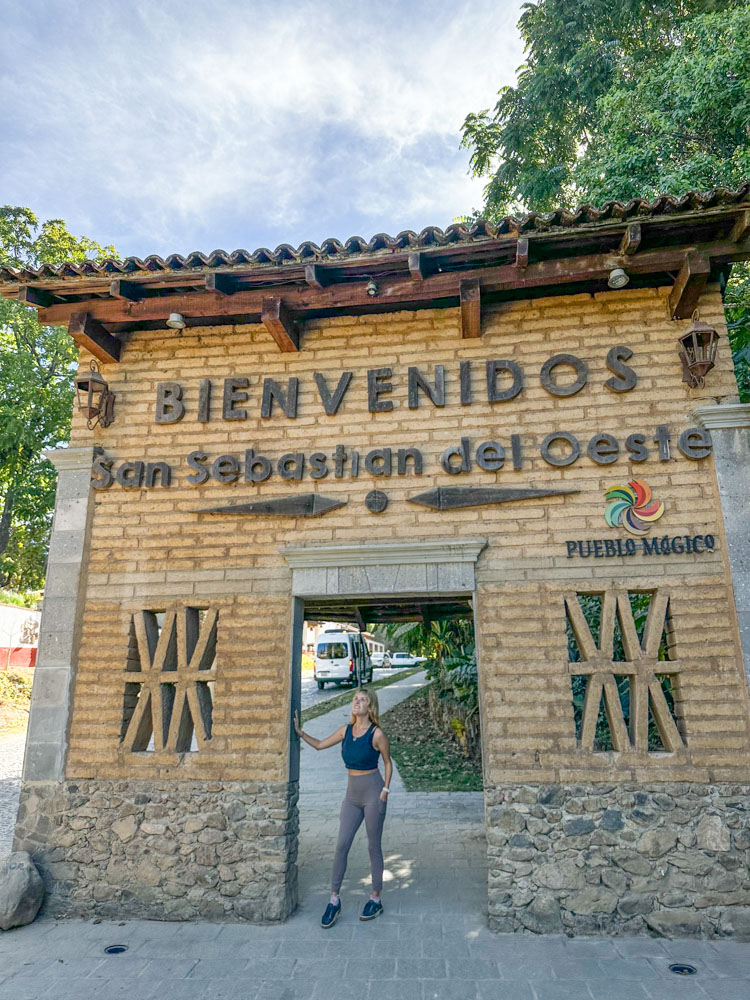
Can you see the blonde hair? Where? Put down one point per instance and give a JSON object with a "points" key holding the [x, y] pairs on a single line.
{"points": [[373, 707]]}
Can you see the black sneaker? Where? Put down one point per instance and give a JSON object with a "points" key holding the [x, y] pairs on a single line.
{"points": [[331, 915], [372, 909]]}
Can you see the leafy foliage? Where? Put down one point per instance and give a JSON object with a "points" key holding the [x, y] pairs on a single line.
{"points": [[37, 365], [426, 760], [737, 310], [15, 699], [456, 679], [15, 688], [28, 599], [435, 640], [617, 100], [621, 100], [452, 668]]}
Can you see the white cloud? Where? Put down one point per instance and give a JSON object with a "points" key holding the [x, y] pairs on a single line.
{"points": [[161, 126]]}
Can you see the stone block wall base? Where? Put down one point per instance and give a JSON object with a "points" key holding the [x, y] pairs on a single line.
{"points": [[670, 860], [163, 850]]}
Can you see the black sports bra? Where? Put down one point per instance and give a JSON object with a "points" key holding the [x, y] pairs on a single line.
{"points": [[359, 754]]}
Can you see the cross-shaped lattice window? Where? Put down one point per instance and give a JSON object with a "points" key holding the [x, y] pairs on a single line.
{"points": [[641, 666], [168, 680]]}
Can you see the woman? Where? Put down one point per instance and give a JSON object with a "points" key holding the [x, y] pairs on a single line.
{"points": [[363, 741]]}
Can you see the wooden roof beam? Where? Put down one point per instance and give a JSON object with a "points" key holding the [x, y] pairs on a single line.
{"points": [[318, 276], [219, 281], [471, 307], [689, 285], [417, 268], [522, 252], [741, 227], [631, 239], [89, 333], [399, 291], [37, 297], [422, 265], [133, 291], [277, 320]]}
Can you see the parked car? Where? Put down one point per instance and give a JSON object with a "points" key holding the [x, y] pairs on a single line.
{"points": [[403, 660], [381, 659], [341, 658]]}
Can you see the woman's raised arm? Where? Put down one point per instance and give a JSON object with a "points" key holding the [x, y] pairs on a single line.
{"points": [[329, 741]]}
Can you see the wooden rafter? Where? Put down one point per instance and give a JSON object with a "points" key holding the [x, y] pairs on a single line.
{"points": [[388, 609], [37, 297], [418, 266], [631, 239], [689, 285], [317, 276], [218, 281], [396, 291], [471, 307], [89, 333], [741, 227], [522, 252], [121, 288], [277, 320]]}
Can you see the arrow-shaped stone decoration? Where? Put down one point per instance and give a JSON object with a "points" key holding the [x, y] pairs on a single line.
{"points": [[451, 497], [306, 505]]}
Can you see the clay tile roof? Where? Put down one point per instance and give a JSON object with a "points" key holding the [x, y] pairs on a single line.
{"points": [[432, 236]]}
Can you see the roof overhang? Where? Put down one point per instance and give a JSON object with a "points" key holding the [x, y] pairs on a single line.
{"points": [[677, 243]]}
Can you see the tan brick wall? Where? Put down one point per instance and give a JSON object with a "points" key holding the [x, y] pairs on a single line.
{"points": [[151, 550]]}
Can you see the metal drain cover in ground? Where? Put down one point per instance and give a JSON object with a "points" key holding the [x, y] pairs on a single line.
{"points": [[680, 969]]}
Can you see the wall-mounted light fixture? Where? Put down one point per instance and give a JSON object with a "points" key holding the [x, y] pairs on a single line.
{"points": [[95, 400], [176, 321], [372, 288], [697, 349], [617, 278]]}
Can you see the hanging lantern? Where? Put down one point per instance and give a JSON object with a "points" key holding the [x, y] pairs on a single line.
{"points": [[95, 400], [697, 350]]}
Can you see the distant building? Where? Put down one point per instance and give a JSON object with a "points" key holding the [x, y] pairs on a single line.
{"points": [[19, 636]]}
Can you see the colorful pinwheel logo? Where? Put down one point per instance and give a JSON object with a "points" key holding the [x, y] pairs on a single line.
{"points": [[631, 507]]}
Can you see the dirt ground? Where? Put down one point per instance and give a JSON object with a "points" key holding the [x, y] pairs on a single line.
{"points": [[427, 758], [15, 697]]}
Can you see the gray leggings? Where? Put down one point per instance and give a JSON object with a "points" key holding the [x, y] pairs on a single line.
{"points": [[361, 802]]}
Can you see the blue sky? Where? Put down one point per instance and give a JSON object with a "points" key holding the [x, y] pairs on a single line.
{"points": [[166, 126]]}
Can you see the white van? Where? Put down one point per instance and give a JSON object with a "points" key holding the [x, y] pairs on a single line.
{"points": [[341, 658]]}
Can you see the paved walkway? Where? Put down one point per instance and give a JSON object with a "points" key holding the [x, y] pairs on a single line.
{"points": [[433, 844], [430, 944]]}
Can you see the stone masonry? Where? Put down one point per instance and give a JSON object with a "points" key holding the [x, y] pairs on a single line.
{"points": [[671, 859], [122, 848]]}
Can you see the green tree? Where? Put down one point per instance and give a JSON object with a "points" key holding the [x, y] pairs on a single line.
{"points": [[436, 640], [620, 100], [37, 365]]}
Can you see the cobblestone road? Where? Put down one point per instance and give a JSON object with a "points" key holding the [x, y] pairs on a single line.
{"points": [[11, 764]]}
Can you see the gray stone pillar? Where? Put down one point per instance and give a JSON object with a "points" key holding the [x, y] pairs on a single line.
{"points": [[729, 424], [47, 736]]}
